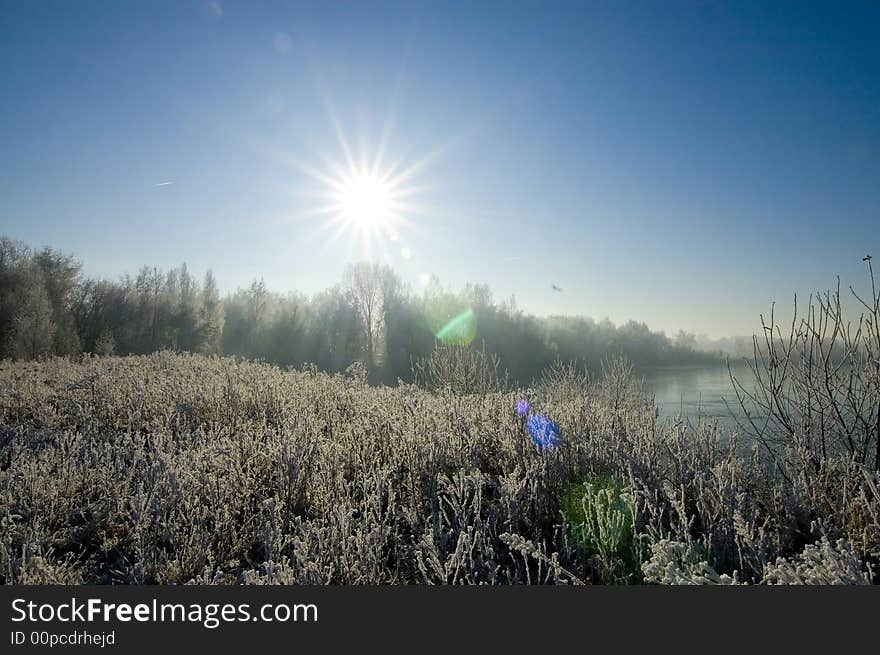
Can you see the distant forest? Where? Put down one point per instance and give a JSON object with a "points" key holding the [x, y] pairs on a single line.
{"points": [[48, 307]]}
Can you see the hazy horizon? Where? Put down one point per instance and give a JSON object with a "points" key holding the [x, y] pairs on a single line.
{"points": [[730, 344], [682, 166]]}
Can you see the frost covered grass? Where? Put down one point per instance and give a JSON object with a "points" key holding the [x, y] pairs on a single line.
{"points": [[175, 468]]}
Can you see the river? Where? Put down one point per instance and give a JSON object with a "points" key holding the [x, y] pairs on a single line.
{"points": [[696, 392]]}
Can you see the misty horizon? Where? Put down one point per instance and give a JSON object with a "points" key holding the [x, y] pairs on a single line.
{"points": [[729, 344]]}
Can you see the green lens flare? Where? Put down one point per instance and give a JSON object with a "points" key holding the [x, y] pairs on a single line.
{"points": [[460, 330], [450, 318]]}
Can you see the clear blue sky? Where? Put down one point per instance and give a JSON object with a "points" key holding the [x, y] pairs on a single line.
{"points": [[684, 164]]}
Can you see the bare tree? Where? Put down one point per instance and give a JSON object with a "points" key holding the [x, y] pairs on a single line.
{"points": [[33, 329], [210, 318], [364, 283], [816, 389]]}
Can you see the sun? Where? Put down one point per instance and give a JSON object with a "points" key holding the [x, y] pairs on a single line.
{"points": [[366, 201], [367, 204], [369, 199]]}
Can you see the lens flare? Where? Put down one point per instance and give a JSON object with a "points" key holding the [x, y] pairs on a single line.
{"points": [[450, 318], [522, 407], [460, 330], [544, 432]]}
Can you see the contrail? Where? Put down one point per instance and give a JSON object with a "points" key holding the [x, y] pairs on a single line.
{"points": [[162, 184]]}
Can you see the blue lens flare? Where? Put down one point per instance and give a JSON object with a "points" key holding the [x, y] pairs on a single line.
{"points": [[545, 433]]}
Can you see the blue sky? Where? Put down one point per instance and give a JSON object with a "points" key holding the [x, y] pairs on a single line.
{"points": [[683, 164]]}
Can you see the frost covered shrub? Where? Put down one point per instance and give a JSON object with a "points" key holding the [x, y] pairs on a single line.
{"points": [[680, 563], [601, 515], [460, 369], [822, 563], [178, 469]]}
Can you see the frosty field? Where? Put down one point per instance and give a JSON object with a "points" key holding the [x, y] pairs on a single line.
{"points": [[174, 468]]}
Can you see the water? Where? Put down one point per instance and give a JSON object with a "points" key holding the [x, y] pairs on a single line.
{"points": [[696, 392]]}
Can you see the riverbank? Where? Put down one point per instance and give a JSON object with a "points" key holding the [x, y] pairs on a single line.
{"points": [[180, 468]]}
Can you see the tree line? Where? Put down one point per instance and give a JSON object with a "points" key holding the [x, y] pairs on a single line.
{"points": [[48, 307]]}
